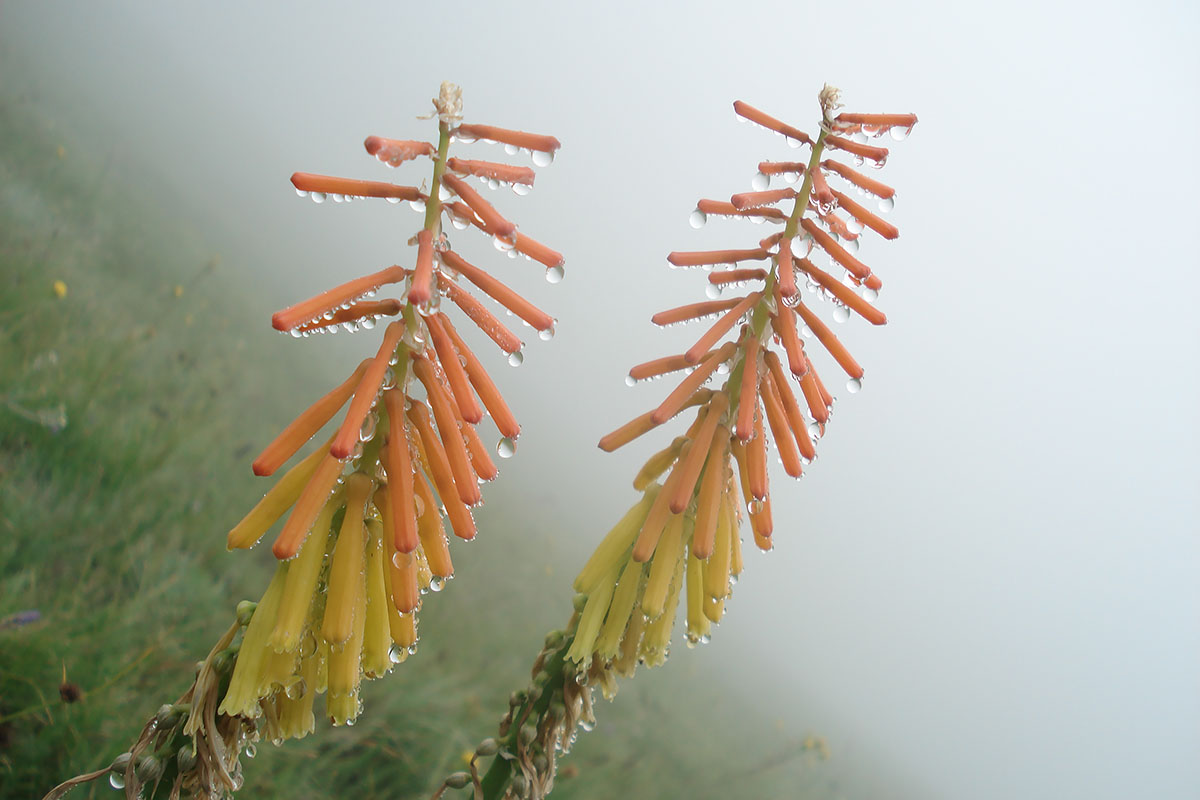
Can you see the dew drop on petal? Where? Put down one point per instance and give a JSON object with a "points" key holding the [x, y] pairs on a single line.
{"points": [[542, 158], [394, 200], [886, 204], [301, 193], [630, 380], [437, 583], [116, 780], [853, 385], [760, 182], [318, 197], [697, 219], [899, 134], [516, 358], [869, 294], [546, 334], [841, 313], [521, 188], [712, 291], [506, 448], [555, 274]]}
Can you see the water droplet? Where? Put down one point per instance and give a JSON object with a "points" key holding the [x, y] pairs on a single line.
{"points": [[511, 149], [900, 134], [760, 182], [516, 358], [251, 751], [555, 274], [723, 368], [506, 448], [296, 333], [501, 244], [587, 724], [417, 205], [886, 204], [337, 198], [492, 183], [841, 313], [853, 385], [793, 143], [301, 193], [459, 223], [851, 245], [521, 189], [712, 291], [546, 334], [396, 654], [116, 780], [870, 295], [697, 219], [756, 506], [790, 177], [394, 200], [318, 197], [437, 583], [542, 158], [367, 323], [294, 688]]}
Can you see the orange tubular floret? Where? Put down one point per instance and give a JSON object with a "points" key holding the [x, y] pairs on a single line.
{"points": [[785, 326], [786, 272], [830, 341], [747, 390], [502, 294], [406, 594], [873, 186], [745, 200], [306, 425], [817, 407], [314, 307], [307, 182], [708, 503], [458, 208], [689, 465], [826, 397], [835, 250], [697, 258], [780, 167], [791, 408], [366, 391], [452, 440], [844, 293], [486, 211], [658, 366], [538, 251], [490, 169], [528, 141], [877, 120], [721, 327], [304, 513], [820, 188], [486, 320], [659, 514], [877, 154], [433, 536], [837, 225], [422, 283], [876, 223], [722, 208], [460, 386], [781, 431], [396, 151], [437, 464], [400, 475], [658, 463], [645, 423], [477, 455], [736, 276], [482, 382], [767, 121], [756, 459], [693, 311], [679, 396], [760, 520], [366, 308]]}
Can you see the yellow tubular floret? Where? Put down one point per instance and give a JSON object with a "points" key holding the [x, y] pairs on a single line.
{"points": [[241, 698], [346, 584], [698, 624], [342, 708], [624, 598], [279, 499], [295, 706], [377, 638], [592, 618], [345, 662], [735, 537], [658, 463], [716, 574], [626, 662], [662, 567], [301, 585], [612, 550], [656, 640]]}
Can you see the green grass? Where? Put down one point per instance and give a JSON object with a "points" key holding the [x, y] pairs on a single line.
{"points": [[112, 528]]}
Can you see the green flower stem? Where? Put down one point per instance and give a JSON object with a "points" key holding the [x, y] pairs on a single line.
{"points": [[433, 206]]}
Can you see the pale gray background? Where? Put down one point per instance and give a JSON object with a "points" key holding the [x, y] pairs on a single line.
{"points": [[986, 588]]}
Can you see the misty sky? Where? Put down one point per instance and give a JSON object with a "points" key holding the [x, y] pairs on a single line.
{"points": [[987, 586]]}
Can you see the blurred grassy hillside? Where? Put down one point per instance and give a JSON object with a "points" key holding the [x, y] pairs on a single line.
{"points": [[131, 402]]}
